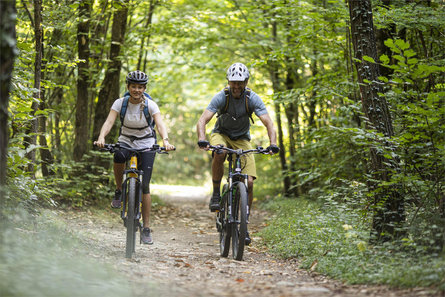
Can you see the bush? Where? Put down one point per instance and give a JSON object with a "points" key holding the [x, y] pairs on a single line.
{"points": [[332, 238]]}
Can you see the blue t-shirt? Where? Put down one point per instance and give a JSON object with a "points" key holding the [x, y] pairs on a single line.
{"points": [[235, 122]]}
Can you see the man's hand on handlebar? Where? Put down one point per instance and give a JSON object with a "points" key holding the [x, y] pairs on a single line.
{"points": [[203, 144], [273, 149]]}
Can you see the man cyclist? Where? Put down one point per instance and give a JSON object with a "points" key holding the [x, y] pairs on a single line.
{"points": [[232, 129], [136, 133]]}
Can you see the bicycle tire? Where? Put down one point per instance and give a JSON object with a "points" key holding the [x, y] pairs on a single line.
{"points": [[239, 227], [131, 219], [225, 230]]}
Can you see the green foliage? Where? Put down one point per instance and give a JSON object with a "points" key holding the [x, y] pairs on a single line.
{"points": [[332, 238], [82, 183], [298, 53], [418, 102]]}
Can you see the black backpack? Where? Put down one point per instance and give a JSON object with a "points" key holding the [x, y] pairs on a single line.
{"points": [[226, 106]]}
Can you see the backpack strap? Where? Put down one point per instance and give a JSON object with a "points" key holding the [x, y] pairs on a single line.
{"points": [[226, 93], [124, 108], [248, 92], [226, 105], [147, 115], [146, 112]]}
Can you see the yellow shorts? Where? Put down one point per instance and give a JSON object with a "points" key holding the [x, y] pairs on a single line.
{"points": [[247, 161]]}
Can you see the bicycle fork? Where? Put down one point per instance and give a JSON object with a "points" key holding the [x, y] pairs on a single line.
{"points": [[132, 172]]}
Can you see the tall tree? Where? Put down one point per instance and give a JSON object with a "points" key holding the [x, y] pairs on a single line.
{"points": [[389, 203], [8, 52], [142, 59], [110, 86], [81, 130], [31, 139]]}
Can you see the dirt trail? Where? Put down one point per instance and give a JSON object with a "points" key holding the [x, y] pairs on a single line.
{"points": [[185, 261]]}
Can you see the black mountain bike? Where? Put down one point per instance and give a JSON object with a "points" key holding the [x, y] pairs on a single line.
{"points": [[231, 220], [132, 193]]}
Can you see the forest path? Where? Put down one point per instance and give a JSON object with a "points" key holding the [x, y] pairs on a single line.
{"points": [[184, 259]]}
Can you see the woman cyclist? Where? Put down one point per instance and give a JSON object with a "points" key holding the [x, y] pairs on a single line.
{"points": [[136, 133]]}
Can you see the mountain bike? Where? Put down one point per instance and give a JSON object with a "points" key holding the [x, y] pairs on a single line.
{"points": [[132, 193], [231, 219]]}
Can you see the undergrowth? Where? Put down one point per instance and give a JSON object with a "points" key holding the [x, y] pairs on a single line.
{"points": [[333, 239]]}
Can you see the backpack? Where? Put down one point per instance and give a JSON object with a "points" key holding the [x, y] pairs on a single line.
{"points": [[147, 115], [226, 106]]}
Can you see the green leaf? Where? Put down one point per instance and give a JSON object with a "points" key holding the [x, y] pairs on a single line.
{"points": [[384, 79], [41, 112], [409, 53], [368, 59], [413, 61], [384, 59], [402, 44], [399, 58]]}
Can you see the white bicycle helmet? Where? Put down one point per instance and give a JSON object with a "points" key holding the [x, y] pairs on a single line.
{"points": [[237, 72]]}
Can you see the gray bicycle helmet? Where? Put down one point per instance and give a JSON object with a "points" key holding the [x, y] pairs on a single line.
{"points": [[237, 72], [137, 77]]}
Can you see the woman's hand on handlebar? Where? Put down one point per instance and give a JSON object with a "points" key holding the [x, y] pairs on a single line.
{"points": [[169, 147], [100, 142]]}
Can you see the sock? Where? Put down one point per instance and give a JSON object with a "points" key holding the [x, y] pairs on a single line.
{"points": [[216, 186]]}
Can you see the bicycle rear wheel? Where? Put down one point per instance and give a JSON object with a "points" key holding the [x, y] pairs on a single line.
{"points": [[225, 228], [131, 218], [239, 228]]}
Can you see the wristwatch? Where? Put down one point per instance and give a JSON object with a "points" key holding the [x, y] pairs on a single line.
{"points": [[165, 139]]}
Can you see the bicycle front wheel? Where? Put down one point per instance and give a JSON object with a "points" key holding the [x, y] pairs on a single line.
{"points": [[224, 227], [239, 227], [131, 218]]}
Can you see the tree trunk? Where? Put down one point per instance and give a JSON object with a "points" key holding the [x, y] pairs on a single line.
{"points": [[97, 49], [282, 153], [110, 86], [45, 154], [292, 127], [312, 100], [388, 202], [273, 70], [8, 52], [382, 35], [145, 44], [31, 139], [81, 130]]}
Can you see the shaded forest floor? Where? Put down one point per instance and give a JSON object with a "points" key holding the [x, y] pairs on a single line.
{"points": [[185, 260]]}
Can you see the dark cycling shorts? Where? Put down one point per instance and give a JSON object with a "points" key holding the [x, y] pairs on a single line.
{"points": [[145, 163]]}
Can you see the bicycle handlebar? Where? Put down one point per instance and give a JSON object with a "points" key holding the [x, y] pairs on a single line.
{"points": [[258, 150], [115, 146]]}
